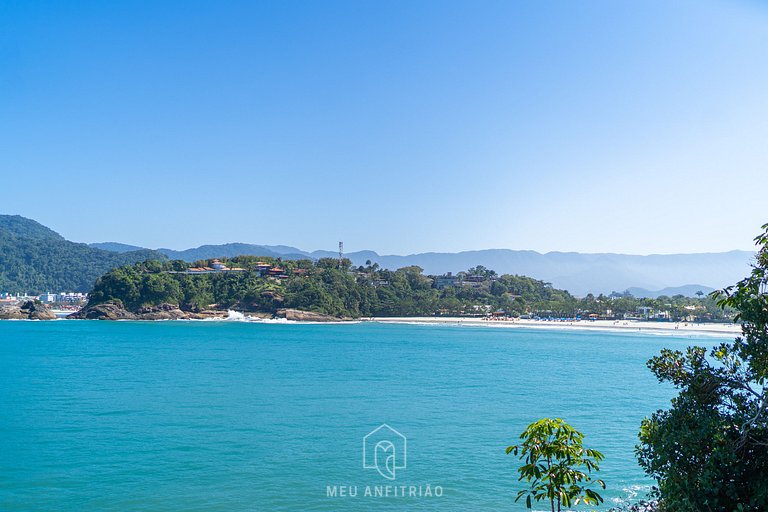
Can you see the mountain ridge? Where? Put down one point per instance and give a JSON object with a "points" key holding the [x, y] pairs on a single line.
{"points": [[34, 258], [580, 273], [689, 290]]}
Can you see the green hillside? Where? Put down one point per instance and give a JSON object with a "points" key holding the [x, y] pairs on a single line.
{"points": [[35, 259], [265, 285], [22, 227]]}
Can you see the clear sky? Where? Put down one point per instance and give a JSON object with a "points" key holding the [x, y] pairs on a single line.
{"points": [[593, 126]]}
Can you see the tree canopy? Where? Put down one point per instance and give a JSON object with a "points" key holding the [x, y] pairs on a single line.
{"points": [[556, 465], [709, 451], [328, 287], [34, 261], [322, 286]]}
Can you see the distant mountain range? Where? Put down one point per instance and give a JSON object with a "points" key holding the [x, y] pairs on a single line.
{"points": [[690, 290], [579, 273], [35, 258]]}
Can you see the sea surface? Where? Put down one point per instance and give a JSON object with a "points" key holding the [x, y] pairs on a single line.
{"points": [[240, 416]]}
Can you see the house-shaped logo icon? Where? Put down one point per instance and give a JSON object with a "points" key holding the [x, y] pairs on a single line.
{"points": [[384, 449]]}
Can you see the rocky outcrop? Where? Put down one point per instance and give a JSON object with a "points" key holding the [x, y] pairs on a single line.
{"points": [[30, 310], [161, 312], [38, 311], [173, 312], [208, 314], [306, 316], [12, 313], [105, 311], [115, 311]]}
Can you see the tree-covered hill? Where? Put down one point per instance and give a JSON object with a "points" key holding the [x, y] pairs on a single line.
{"points": [[115, 247], [35, 259], [579, 273], [248, 283], [22, 227], [228, 251], [321, 287]]}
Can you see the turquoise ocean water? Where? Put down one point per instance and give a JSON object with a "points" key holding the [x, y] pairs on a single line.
{"points": [[236, 416]]}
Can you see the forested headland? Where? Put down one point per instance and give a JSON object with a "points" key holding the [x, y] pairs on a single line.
{"points": [[336, 288]]}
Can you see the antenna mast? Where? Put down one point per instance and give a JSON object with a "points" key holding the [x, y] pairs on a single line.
{"points": [[341, 253]]}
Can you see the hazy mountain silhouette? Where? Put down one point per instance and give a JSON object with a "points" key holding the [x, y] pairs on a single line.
{"points": [[579, 273]]}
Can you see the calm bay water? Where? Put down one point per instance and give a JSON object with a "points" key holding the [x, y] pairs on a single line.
{"points": [[244, 416]]}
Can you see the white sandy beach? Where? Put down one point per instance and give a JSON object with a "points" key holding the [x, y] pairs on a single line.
{"points": [[618, 325]]}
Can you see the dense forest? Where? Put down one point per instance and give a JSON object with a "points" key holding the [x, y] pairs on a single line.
{"points": [[35, 259], [329, 287]]}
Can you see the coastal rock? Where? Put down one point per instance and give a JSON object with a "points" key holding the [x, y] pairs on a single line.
{"points": [[161, 312], [30, 310], [306, 316], [208, 314], [37, 311], [11, 313], [105, 311], [114, 310]]}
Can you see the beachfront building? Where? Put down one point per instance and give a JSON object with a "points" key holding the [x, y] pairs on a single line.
{"points": [[63, 297], [72, 297], [216, 267], [7, 299], [644, 312], [445, 281], [10, 298]]}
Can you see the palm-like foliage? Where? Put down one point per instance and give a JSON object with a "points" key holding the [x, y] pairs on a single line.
{"points": [[556, 466]]}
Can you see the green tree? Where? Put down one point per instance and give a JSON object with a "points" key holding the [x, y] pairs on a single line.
{"points": [[480, 270], [323, 288], [554, 457], [709, 451]]}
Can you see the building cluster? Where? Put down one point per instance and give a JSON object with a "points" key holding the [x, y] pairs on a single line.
{"points": [[448, 280], [217, 267], [692, 313], [75, 298], [440, 282], [647, 313], [267, 270]]}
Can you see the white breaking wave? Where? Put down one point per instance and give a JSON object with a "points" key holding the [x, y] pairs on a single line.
{"points": [[632, 494], [235, 316]]}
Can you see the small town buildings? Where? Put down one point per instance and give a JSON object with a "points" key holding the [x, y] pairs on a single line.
{"points": [[216, 266], [644, 312], [63, 298], [445, 281]]}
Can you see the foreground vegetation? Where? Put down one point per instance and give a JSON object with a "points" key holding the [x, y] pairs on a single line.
{"points": [[335, 288], [557, 467], [709, 451]]}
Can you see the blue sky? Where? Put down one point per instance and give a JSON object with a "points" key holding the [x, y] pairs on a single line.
{"points": [[593, 126]]}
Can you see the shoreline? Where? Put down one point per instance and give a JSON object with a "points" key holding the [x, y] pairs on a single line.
{"points": [[671, 328], [641, 326]]}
